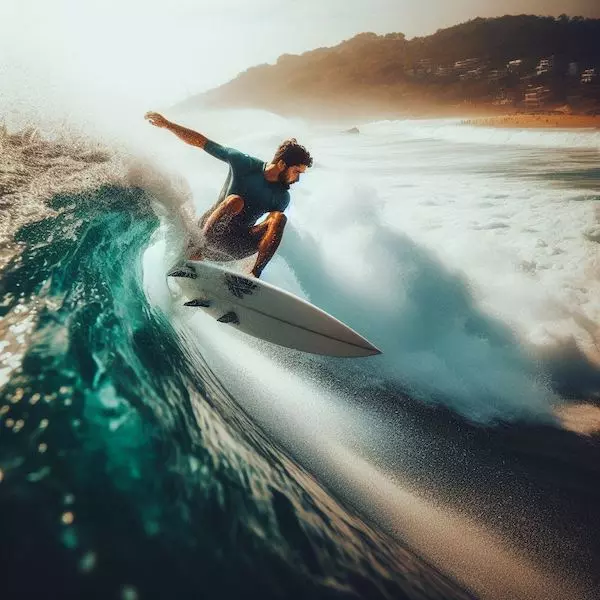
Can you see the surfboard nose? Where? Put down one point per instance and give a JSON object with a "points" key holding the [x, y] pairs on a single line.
{"points": [[360, 346], [373, 350]]}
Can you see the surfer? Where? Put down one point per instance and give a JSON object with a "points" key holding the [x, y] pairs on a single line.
{"points": [[253, 188]]}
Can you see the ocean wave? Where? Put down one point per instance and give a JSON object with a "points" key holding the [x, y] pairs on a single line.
{"points": [[453, 130], [125, 449]]}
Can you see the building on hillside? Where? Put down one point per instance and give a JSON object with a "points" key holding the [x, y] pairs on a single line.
{"points": [[496, 75], [536, 97], [472, 74], [589, 76], [515, 66], [443, 71], [463, 66]]}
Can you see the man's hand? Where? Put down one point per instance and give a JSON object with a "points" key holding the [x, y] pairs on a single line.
{"points": [[156, 119]]}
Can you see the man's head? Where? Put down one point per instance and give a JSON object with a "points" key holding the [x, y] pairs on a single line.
{"points": [[292, 160]]}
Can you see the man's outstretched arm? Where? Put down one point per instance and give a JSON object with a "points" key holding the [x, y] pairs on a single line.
{"points": [[187, 135], [194, 138]]}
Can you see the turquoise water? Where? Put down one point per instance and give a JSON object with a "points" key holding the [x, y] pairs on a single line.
{"points": [[127, 469]]}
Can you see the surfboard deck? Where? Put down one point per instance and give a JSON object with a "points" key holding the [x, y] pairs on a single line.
{"points": [[265, 311]]}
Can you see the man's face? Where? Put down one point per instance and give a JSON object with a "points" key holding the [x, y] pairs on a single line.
{"points": [[291, 175]]}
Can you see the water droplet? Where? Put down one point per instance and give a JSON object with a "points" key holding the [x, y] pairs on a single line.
{"points": [[128, 592], [88, 562], [69, 538], [39, 475]]}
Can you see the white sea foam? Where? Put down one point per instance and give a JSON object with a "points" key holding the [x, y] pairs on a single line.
{"points": [[459, 261]]}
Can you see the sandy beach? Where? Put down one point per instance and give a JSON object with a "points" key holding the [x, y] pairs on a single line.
{"points": [[537, 120]]}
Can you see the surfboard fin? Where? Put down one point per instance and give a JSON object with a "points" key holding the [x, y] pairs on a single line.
{"points": [[183, 272], [198, 302], [229, 317]]}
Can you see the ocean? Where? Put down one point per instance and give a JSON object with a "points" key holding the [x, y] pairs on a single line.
{"points": [[147, 451]]}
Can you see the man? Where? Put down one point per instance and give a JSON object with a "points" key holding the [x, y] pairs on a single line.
{"points": [[253, 188]]}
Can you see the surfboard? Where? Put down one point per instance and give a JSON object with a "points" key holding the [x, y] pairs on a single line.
{"points": [[264, 311]]}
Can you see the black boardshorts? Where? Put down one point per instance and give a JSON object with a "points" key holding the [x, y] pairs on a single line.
{"points": [[231, 239]]}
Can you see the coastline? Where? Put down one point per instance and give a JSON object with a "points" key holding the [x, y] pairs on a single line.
{"points": [[355, 112], [536, 121]]}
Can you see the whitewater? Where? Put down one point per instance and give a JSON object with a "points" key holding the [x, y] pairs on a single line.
{"points": [[138, 433]]}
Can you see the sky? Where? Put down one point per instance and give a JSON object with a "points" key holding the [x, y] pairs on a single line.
{"points": [[158, 53]]}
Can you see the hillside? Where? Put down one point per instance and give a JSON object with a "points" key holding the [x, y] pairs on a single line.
{"points": [[511, 61]]}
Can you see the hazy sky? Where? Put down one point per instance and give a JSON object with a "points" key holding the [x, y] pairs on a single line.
{"points": [[159, 52]]}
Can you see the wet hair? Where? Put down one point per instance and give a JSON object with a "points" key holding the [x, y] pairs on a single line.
{"points": [[292, 154]]}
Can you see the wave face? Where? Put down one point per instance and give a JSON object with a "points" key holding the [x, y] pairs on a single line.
{"points": [[126, 468]]}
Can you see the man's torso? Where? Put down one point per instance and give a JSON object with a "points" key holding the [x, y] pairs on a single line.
{"points": [[246, 179]]}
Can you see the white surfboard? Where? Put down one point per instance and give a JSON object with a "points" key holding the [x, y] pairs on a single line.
{"points": [[265, 311]]}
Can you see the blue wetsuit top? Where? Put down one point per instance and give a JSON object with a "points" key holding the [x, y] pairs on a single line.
{"points": [[246, 178]]}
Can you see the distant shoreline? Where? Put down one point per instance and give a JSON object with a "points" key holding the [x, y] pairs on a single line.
{"points": [[358, 112], [536, 121]]}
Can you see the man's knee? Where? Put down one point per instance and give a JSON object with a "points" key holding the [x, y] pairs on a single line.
{"points": [[234, 204]]}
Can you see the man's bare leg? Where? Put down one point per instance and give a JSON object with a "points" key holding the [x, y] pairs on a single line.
{"points": [[230, 207], [272, 232]]}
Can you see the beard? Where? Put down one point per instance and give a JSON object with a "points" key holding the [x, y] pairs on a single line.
{"points": [[282, 178]]}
